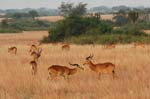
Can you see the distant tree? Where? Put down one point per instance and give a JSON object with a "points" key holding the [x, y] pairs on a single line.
{"points": [[68, 9], [133, 16], [120, 20], [33, 14], [98, 16], [17, 15], [4, 23]]}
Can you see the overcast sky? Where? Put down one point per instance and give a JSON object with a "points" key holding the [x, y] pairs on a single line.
{"points": [[6, 4]]}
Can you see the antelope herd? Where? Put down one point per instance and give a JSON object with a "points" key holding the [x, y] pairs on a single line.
{"points": [[65, 71]]}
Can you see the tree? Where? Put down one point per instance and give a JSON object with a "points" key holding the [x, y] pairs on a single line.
{"points": [[97, 16], [68, 9], [133, 16], [4, 23], [120, 20], [33, 14], [17, 15]]}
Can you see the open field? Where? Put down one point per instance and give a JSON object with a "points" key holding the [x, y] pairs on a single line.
{"points": [[24, 38], [50, 18], [16, 81]]}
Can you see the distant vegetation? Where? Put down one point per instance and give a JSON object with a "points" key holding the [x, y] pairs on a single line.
{"points": [[81, 25], [81, 29], [18, 22]]}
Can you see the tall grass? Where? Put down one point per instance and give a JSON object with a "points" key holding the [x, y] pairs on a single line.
{"points": [[132, 68]]}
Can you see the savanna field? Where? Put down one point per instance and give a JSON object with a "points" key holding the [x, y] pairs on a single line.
{"points": [[17, 82]]}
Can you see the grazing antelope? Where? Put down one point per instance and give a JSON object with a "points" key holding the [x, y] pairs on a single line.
{"points": [[33, 48], [110, 46], [13, 49], [65, 47], [100, 68], [36, 54], [33, 67], [64, 71], [139, 45]]}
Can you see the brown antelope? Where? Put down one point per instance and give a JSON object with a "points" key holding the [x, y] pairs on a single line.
{"points": [[33, 48], [139, 45], [36, 54], [100, 68], [65, 47], [110, 46], [33, 67], [13, 50], [64, 71]]}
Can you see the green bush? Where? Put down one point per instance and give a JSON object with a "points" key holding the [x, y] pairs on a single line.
{"points": [[107, 39], [8, 30], [30, 25], [129, 30], [75, 26], [24, 25], [83, 39], [144, 25]]}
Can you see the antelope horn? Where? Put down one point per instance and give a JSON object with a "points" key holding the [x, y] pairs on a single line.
{"points": [[73, 64], [87, 58]]}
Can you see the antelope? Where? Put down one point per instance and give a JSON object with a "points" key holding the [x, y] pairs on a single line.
{"points": [[33, 67], [13, 49], [63, 71], [33, 48], [100, 68], [110, 46], [65, 47], [139, 45], [36, 54]]}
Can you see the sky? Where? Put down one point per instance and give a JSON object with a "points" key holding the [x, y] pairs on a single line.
{"points": [[7, 4]]}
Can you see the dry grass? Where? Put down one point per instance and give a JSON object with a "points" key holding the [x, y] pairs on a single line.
{"points": [[147, 31], [132, 68], [107, 17], [50, 18], [25, 38]]}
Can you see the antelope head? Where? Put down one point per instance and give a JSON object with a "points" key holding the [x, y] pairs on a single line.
{"points": [[88, 60], [77, 65]]}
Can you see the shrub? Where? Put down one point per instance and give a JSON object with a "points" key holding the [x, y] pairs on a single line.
{"points": [[75, 26], [9, 30], [120, 20], [144, 25], [24, 24], [129, 30], [107, 39]]}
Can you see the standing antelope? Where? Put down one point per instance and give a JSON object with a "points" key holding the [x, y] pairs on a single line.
{"points": [[13, 50], [100, 68], [65, 47], [64, 71], [33, 67], [36, 54]]}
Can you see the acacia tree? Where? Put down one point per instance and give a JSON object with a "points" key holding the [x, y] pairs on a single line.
{"points": [[33, 14], [69, 9], [133, 16]]}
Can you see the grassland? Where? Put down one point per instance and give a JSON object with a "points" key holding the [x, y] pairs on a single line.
{"points": [[16, 81]]}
